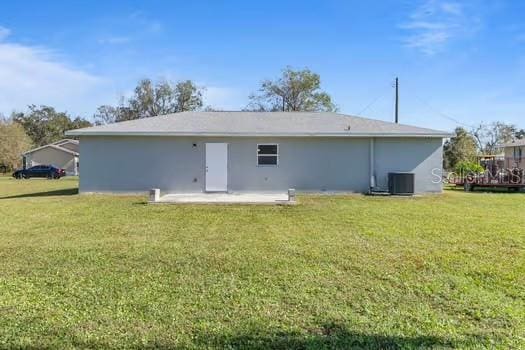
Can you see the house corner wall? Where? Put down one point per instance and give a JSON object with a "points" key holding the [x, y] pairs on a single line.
{"points": [[421, 156]]}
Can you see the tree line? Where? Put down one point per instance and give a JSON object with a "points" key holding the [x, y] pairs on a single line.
{"points": [[293, 90], [483, 139]]}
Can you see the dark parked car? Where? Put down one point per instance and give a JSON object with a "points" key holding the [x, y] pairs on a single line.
{"points": [[47, 171]]}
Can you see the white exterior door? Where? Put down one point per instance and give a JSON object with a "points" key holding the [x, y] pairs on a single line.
{"points": [[216, 167]]}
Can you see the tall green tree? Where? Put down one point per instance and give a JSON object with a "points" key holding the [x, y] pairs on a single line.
{"points": [[460, 148], [151, 99], [13, 142], [294, 90], [490, 136], [44, 125], [188, 96], [107, 114], [79, 122]]}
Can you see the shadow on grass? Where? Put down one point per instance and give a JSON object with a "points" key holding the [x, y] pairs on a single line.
{"points": [[330, 336], [62, 192], [497, 190]]}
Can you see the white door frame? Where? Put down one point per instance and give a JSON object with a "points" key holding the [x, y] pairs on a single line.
{"points": [[216, 167]]}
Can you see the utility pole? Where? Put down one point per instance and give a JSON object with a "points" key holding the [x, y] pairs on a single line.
{"points": [[397, 101]]}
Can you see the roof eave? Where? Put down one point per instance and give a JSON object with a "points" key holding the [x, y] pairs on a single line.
{"points": [[63, 141], [223, 134]]}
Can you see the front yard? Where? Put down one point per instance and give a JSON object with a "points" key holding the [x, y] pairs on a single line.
{"points": [[332, 272]]}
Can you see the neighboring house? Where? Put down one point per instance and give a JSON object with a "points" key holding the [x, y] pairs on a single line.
{"points": [[514, 154], [256, 151], [62, 154]]}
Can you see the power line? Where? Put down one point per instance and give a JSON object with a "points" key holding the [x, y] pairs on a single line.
{"points": [[440, 113], [372, 103], [421, 100]]}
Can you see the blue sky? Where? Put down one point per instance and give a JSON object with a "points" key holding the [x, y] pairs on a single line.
{"points": [[459, 62]]}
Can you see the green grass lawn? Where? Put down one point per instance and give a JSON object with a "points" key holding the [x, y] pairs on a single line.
{"points": [[443, 271]]}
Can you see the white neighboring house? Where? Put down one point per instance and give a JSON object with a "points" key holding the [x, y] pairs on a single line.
{"points": [[62, 154], [514, 154]]}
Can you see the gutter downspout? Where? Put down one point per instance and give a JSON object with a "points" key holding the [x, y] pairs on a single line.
{"points": [[372, 162]]}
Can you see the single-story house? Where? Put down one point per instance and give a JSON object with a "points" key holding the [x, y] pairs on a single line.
{"points": [[62, 154], [514, 154], [257, 151]]}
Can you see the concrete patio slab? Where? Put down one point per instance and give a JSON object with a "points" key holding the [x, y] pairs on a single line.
{"points": [[225, 198]]}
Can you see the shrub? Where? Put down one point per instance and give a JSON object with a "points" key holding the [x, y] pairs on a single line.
{"points": [[465, 168]]}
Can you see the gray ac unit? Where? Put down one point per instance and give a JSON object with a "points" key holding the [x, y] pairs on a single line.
{"points": [[401, 183]]}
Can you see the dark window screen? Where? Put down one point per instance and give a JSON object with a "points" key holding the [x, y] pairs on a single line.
{"points": [[267, 160], [267, 149]]}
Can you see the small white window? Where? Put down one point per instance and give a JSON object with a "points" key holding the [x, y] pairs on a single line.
{"points": [[267, 154]]}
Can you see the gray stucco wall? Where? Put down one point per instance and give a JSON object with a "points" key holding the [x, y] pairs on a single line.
{"points": [[173, 164], [423, 157]]}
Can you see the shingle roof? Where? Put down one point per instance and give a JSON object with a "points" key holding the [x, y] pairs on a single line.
{"points": [[51, 145], [258, 124]]}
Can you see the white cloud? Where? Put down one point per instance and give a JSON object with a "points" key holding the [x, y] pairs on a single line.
{"points": [[39, 75], [126, 29], [115, 40], [4, 33], [145, 23], [154, 27], [34, 75], [435, 23], [452, 8]]}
